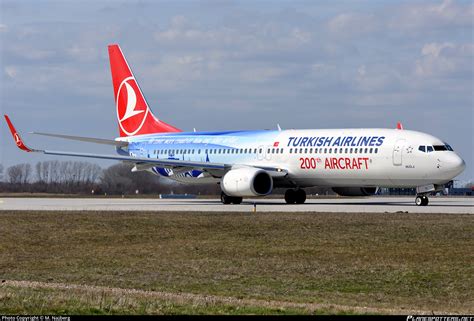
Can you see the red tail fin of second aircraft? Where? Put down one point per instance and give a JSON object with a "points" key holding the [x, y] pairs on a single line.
{"points": [[133, 113]]}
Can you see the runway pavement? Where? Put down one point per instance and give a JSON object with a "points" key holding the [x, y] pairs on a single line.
{"points": [[451, 205]]}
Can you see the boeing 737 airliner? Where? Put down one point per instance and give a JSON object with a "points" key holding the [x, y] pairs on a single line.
{"points": [[354, 162]]}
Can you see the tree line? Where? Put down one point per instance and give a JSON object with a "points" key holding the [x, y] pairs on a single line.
{"points": [[76, 177]]}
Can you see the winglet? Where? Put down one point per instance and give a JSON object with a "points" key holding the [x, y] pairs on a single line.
{"points": [[400, 126], [19, 142]]}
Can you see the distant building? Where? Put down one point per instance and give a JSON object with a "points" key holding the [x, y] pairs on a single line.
{"points": [[462, 191], [450, 189]]}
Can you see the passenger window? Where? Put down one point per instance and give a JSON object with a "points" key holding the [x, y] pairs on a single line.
{"points": [[330, 150], [291, 150], [376, 150], [260, 150], [281, 150], [429, 149], [306, 151], [370, 150], [325, 151]]}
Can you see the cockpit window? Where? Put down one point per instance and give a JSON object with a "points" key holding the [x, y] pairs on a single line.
{"points": [[440, 148], [437, 148]]}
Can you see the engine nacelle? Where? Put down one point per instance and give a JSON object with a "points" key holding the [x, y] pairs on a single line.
{"points": [[355, 191], [247, 181]]}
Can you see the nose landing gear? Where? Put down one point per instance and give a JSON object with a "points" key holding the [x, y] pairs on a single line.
{"points": [[421, 200]]}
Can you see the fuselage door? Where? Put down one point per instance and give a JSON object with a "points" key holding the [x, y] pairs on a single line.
{"points": [[398, 152], [268, 154]]}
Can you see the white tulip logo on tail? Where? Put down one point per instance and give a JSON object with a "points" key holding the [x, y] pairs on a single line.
{"points": [[17, 139], [131, 112]]}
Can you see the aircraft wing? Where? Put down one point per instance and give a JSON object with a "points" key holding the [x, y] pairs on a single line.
{"points": [[86, 139], [215, 169]]}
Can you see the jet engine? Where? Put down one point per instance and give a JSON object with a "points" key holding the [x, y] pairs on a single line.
{"points": [[355, 191], [247, 181]]}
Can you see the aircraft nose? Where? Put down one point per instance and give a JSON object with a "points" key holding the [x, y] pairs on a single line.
{"points": [[456, 165]]}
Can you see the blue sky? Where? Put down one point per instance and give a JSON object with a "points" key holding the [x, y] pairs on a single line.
{"points": [[239, 65]]}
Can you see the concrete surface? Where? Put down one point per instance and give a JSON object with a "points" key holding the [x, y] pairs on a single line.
{"points": [[451, 205]]}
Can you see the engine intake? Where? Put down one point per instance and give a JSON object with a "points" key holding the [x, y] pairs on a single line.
{"points": [[247, 181], [355, 191]]}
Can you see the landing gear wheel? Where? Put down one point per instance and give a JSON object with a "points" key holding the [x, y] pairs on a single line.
{"points": [[293, 196], [236, 200], [425, 200], [300, 196], [226, 199], [421, 200], [290, 196]]}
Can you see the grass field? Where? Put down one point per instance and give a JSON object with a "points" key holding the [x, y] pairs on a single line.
{"points": [[231, 263]]}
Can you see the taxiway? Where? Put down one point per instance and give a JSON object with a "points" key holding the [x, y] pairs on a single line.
{"points": [[448, 205]]}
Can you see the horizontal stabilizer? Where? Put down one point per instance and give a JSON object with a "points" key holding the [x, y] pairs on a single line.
{"points": [[86, 139]]}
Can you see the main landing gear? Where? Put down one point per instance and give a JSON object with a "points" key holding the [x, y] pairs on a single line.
{"points": [[295, 196], [226, 199], [421, 200]]}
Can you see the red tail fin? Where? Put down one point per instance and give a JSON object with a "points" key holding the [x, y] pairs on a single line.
{"points": [[133, 114]]}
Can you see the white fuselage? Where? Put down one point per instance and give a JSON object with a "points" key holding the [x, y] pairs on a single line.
{"points": [[327, 157]]}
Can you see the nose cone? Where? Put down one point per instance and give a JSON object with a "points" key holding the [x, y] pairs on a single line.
{"points": [[455, 165]]}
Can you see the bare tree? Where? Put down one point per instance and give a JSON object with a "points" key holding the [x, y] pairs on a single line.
{"points": [[66, 176], [19, 174]]}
